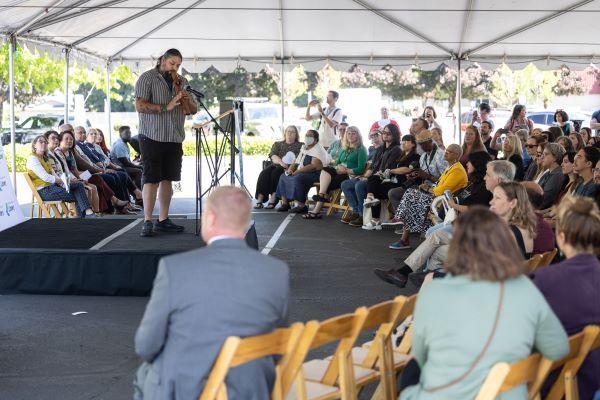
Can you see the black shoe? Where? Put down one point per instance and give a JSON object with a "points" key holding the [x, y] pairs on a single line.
{"points": [[417, 278], [284, 208], [147, 229], [167, 226], [299, 210], [391, 276]]}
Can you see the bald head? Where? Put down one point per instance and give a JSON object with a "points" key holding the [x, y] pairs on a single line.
{"points": [[226, 212], [80, 133]]}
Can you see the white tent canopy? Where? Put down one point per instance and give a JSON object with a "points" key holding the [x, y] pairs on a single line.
{"points": [[313, 32]]}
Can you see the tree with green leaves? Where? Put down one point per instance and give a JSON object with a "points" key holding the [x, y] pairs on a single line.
{"points": [[35, 75], [91, 83]]}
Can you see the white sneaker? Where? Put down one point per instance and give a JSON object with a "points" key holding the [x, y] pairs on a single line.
{"points": [[369, 202], [372, 226]]}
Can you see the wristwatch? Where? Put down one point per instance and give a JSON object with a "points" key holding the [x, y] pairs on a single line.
{"points": [[163, 108]]}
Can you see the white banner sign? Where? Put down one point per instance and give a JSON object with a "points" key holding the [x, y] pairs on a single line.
{"points": [[10, 212]]}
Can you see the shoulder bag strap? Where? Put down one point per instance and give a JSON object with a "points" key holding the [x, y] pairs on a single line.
{"points": [[483, 351]]}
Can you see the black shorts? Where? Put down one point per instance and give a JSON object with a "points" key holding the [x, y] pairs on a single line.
{"points": [[161, 160]]}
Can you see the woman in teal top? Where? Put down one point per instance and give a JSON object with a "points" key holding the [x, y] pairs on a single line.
{"points": [[351, 161], [485, 298]]}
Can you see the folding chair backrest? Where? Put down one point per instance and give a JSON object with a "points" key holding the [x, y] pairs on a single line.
{"points": [[534, 262], [236, 351], [504, 377], [548, 257], [407, 311], [344, 329], [580, 346]]}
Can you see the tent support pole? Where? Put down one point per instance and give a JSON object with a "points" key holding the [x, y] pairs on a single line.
{"points": [[107, 107], [67, 62], [12, 44], [458, 101], [282, 97]]}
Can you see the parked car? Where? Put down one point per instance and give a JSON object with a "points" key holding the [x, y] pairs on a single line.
{"points": [[545, 119], [35, 125], [262, 119]]}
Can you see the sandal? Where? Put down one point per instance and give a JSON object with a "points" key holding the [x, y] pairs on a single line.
{"points": [[258, 206], [311, 215], [270, 206]]}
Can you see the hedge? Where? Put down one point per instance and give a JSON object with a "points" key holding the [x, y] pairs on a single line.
{"points": [[251, 146]]}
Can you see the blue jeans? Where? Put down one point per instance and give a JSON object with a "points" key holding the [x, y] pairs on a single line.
{"points": [[355, 191], [447, 228]]}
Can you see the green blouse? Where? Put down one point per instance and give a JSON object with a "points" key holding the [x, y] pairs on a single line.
{"points": [[354, 159]]}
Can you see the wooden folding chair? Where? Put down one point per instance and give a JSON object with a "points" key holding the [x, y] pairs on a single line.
{"points": [[535, 369], [46, 209], [534, 262], [580, 345], [504, 377], [236, 351], [326, 379], [547, 258], [336, 203]]}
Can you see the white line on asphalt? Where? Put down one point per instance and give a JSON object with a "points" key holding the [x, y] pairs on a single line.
{"points": [[277, 234], [115, 235]]}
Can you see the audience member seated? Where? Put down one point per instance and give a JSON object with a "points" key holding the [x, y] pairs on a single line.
{"points": [[83, 163], [511, 203], [336, 147], [417, 126], [121, 155], [544, 235], [107, 198], [379, 184], [389, 154], [566, 143], [584, 163], [486, 128], [438, 139], [49, 185], [586, 134], [571, 286], [531, 147], [483, 312], [66, 175], [376, 141], [350, 162], [355, 189], [302, 174], [577, 141], [553, 179], [561, 120], [431, 166], [269, 177], [553, 133], [413, 208], [104, 160], [484, 176], [385, 120], [511, 147], [101, 142], [203, 296], [471, 143]]}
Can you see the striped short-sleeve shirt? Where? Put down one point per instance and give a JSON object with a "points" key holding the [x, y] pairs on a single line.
{"points": [[166, 126]]}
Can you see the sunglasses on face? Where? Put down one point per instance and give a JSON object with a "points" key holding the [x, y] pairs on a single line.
{"points": [[531, 146]]}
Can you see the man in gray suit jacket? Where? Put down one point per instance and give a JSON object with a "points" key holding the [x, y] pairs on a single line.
{"points": [[203, 296]]}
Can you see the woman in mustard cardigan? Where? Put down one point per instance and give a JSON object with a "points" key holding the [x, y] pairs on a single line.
{"points": [[415, 203]]}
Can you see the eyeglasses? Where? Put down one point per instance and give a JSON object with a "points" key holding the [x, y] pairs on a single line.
{"points": [[531, 146], [539, 155]]}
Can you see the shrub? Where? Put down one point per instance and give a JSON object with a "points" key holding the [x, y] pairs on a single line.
{"points": [[23, 151], [251, 146]]}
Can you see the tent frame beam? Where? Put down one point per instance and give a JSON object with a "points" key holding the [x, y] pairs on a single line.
{"points": [[38, 17], [527, 27], [157, 28], [12, 46], [121, 22], [65, 17], [463, 34], [402, 26], [281, 55]]}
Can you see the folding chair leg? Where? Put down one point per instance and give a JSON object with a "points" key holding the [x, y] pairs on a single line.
{"points": [[32, 206], [57, 213], [347, 382], [571, 388]]}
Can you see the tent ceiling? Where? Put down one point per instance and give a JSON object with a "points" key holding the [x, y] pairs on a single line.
{"points": [[342, 32]]}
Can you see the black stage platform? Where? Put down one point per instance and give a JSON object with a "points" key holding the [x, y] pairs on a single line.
{"points": [[92, 257]]}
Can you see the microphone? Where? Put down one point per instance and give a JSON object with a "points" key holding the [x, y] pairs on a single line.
{"points": [[193, 91]]}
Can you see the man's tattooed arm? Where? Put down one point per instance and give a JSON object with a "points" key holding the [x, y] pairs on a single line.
{"points": [[145, 107]]}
